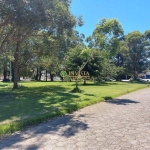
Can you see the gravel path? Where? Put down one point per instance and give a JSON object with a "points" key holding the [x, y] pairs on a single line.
{"points": [[119, 124]]}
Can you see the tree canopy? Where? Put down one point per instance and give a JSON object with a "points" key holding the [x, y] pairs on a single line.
{"points": [[39, 35], [22, 19]]}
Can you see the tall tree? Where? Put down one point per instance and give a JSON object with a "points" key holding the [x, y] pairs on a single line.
{"points": [[106, 38], [135, 57], [106, 35], [23, 19]]}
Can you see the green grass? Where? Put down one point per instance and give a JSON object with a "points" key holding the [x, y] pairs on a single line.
{"points": [[35, 102]]}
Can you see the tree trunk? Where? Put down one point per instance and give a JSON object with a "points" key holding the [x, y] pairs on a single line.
{"points": [[51, 76], [16, 65], [37, 75], [118, 78], [12, 70], [40, 76], [19, 74], [135, 68], [134, 72], [46, 75], [84, 81], [5, 73], [77, 83], [99, 79]]}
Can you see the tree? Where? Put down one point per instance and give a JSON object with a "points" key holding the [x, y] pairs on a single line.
{"points": [[106, 39], [106, 35], [85, 55], [147, 44], [120, 58], [23, 19], [136, 55]]}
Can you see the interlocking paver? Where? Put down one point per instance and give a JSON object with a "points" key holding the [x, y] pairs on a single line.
{"points": [[120, 124]]}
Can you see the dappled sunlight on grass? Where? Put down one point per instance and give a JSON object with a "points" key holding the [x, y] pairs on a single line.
{"points": [[38, 101]]}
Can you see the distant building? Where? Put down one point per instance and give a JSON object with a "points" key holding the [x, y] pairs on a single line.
{"points": [[147, 76], [144, 75]]}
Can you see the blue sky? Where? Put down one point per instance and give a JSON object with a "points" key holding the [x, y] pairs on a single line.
{"points": [[132, 14]]}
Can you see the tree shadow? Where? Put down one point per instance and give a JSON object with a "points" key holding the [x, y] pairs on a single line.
{"points": [[107, 98], [121, 101], [89, 94], [65, 126], [3, 85], [102, 84], [29, 102]]}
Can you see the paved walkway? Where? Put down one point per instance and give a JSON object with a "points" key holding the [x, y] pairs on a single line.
{"points": [[123, 123]]}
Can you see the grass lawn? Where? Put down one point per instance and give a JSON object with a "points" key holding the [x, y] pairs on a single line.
{"points": [[35, 102]]}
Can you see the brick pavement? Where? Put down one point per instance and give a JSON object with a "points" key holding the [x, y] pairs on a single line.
{"points": [[119, 124]]}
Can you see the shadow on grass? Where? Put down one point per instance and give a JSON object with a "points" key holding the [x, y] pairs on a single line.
{"points": [[103, 84], [30, 102], [139, 82], [31, 106], [121, 101], [3, 85], [107, 98], [65, 126], [96, 84], [89, 94]]}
